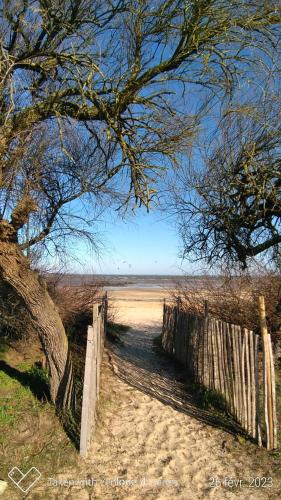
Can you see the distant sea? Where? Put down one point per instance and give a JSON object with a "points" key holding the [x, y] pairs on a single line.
{"points": [[116, 281], [142, 281]]}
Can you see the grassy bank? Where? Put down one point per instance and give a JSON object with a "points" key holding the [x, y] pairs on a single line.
{"points": [[31, 433]]}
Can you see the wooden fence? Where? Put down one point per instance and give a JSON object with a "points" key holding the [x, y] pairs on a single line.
{"points": [[226, 358], [94, 351]]}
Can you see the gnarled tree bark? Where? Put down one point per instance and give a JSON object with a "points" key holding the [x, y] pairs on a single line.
{"points": [[27, 284]]}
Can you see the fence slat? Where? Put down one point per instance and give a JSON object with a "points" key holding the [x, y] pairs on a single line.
{"points": [[227, 365], [94, 350], [267, 377], [274, 415], [236, 374], [258, 418], [231, 369], [86, 406], [247, 382], [252, 384]]}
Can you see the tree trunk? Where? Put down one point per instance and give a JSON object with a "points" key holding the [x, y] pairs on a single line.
{"points": [[27, 284]]}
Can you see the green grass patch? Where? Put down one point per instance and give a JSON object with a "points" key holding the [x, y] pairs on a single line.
{"points": [[13, 399], [24, 366], [31, 433], [3, 349], [211, 399], [39, 375]]}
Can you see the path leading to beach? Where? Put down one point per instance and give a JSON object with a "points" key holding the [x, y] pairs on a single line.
{"points": [[154, 442]]}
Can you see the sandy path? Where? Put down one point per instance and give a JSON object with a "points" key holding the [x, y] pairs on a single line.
{"points": [[153, 438]]}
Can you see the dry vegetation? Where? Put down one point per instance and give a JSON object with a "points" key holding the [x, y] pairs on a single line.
{"points": [[74, 304], [234, 299]]}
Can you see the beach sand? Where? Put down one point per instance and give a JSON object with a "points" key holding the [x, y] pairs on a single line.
{"points": [[138, 307]]}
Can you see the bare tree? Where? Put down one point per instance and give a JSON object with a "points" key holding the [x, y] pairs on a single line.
{"points": [[116, 72], [230, 207]]}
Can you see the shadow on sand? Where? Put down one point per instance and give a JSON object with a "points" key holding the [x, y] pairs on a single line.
{"points": [[145, 366]]}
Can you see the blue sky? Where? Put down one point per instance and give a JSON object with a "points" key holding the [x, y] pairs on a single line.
{"points": [[146, 243]]}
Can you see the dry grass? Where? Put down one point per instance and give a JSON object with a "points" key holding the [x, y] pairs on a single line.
{"points": [[235, 299], [75, 306]]}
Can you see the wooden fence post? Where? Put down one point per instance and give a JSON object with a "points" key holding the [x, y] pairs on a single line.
{"points": [[86, 417], [94, 349], [268, 380], [105, 312], [205, 345]]}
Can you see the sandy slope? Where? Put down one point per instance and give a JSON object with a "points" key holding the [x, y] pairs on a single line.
{"points": [[153, 436]]}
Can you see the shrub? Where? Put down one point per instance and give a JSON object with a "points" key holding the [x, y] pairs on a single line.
{"points": [[75, 306], [235, 299]]}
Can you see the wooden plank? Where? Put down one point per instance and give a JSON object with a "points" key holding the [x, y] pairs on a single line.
{"points": [[206, 356], [95, 368], [243, 384], [227, 365], [213, 369], [222, 355], [239, 386], [240, 373], [231, 369], [218, 346], [234, 372], [273, 390], [252, 383], [86, 401], [195, 350], [208, 381], [214, 356], [257, 385], [185, 340], [223, 360], [98, 354], [201, 349], [191, 350], [265, 400], [94, 388], [217, 356], [248, 383], [217, 343], [267, 379]]}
